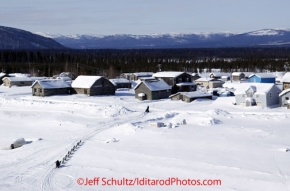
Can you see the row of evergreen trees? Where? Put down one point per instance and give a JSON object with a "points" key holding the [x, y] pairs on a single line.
{"points": [[112, 63]]}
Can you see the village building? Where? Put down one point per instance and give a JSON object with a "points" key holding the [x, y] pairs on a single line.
{"points": [[3, 75], [50, 87], [259, 94], [92, 85], [179, 81], [17, 81], [137, 75], [121, 83], [190, 96], [194, 76], [263, 78], [237, 77], [152, 90], [286, 81], [284, 98], [209, 82], [219, 75]]}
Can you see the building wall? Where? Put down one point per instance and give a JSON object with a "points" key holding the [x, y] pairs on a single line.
{"points": [[37, 90], [256, 79], [272, 96], [8, 83], [142, 88], [123, 85], [214, 84], [286, 85]]}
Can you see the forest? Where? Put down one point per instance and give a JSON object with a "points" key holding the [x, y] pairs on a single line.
{"points": [[112, 62]]}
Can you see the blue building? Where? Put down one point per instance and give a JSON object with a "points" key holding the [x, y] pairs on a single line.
{"points": [[262, 78]]}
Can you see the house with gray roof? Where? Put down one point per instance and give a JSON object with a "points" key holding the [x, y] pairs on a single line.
{"points": [[17, 81], [92, 85], [152, 90], [121, 83], [49, 87]]}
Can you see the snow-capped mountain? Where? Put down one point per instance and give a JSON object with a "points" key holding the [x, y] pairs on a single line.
{"points": [[266, 37], [11, 38]]}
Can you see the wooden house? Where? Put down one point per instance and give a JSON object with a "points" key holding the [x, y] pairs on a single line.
{"points": [[121, 83], [17, 81], [209, 82], [263, 78], [152, 90], [179, 81], [259, 94], [190, 96], [92, 85], [50, 87]]}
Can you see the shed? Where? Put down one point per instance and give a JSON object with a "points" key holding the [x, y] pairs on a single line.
{"points": [[92, 85], [209, 82], [190, 96], [152, 90], [263, 78], [237, 76], [17, 81], [50, 87], [121, 83]]}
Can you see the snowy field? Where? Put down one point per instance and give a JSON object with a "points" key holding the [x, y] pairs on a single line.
{"points": [[242, 147]]}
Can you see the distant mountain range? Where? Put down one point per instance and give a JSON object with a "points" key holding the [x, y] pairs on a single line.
{"points": [[266, 37], [11, 38]]}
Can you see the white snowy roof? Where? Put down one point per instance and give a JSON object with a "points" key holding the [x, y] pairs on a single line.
{"points": [[167, 74], [19, 79], [155, 85], [52, 83], [284, 92], [85, 81], [220, 74], [2, 74], [264, 75], [286, 77], [261, 88], [38, 78], [186, 84], [143, 74], [204, 79], [193, 94], [195, 74], [119, 80], [19, 75], [237, 73]]}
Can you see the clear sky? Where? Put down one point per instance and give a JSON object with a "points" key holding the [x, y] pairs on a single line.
{"points": [[107, 17]]}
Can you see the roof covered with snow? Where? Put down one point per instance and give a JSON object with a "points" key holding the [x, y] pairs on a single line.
{"points": [[286, 77], [2, 74], [155, 85], [85, 81], [261, 88], [263, 75], [167, 74], [204, 79], [52, 83], [186, 84], [219, 74], [195, 94], [18, 79], [284, 92], [237, 73], [143, 74], [119, 81]]}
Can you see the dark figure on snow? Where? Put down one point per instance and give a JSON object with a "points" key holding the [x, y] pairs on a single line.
{"points": [[12, 146], [57, 164], [147, 110]]}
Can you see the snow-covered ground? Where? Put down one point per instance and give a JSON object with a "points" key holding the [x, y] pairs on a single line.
{"points": [[242, 147]]}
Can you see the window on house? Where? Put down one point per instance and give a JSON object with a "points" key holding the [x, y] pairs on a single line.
{"points": [[244, 95], [40, 90], [35, 90], [22, 83], [287, 98], [270, 94], [179, 79], [187, 79]]}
